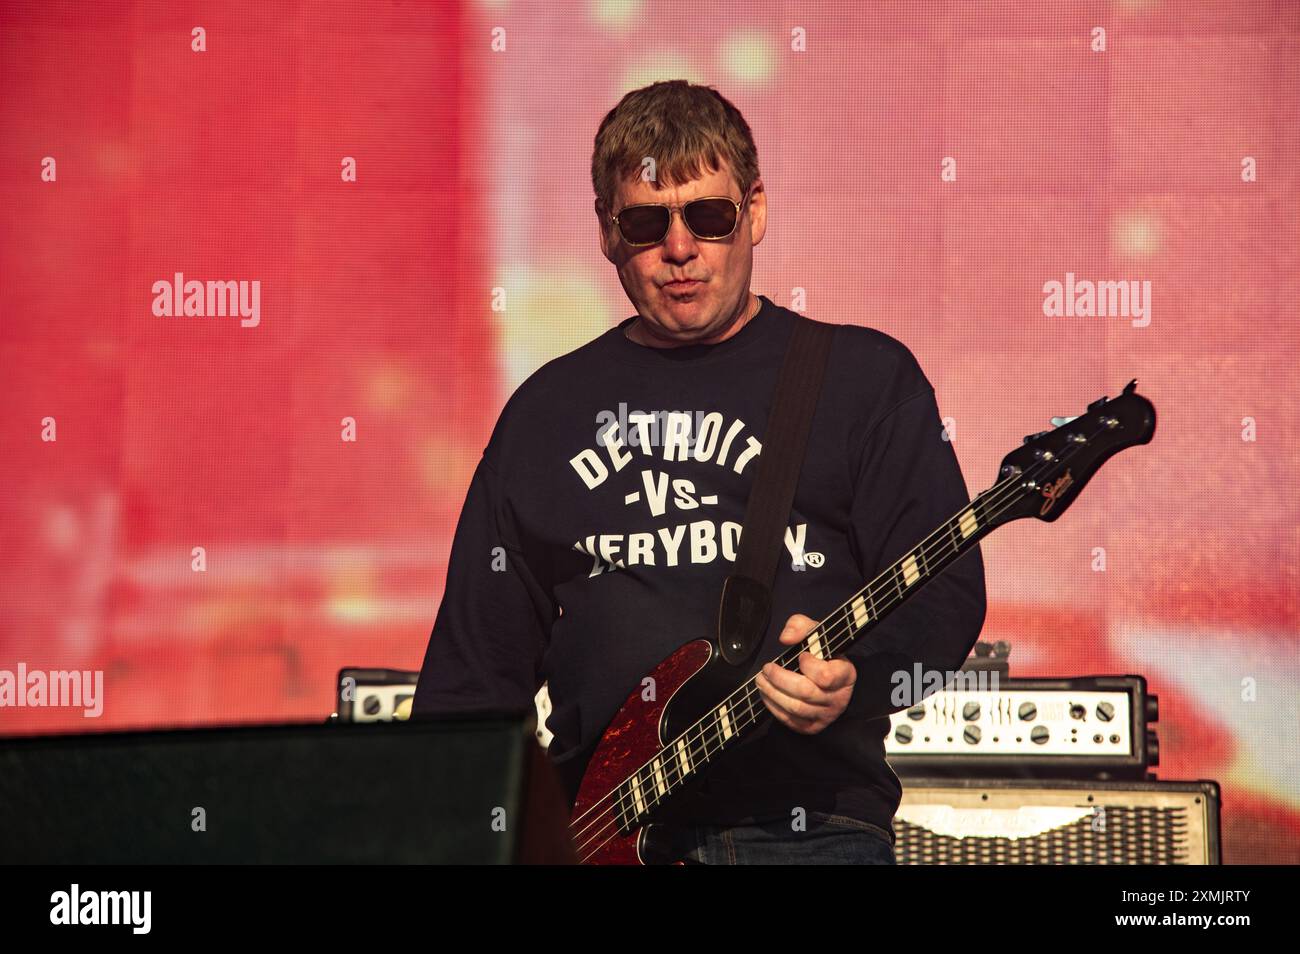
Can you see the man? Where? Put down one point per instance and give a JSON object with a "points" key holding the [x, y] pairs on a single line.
{"points": [[605, 512]]}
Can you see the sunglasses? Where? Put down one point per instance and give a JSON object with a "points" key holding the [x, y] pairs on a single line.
{"points": [[711, 218]]}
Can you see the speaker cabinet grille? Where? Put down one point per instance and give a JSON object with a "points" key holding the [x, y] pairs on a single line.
{"points": [[1019, 822]]}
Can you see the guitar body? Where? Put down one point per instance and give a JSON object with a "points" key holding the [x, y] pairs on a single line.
{"points": [[687, 684]]}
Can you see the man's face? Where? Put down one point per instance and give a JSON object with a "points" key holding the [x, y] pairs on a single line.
{"points": [[696, 313]]}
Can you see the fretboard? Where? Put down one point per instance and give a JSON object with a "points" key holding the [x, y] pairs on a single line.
{"points": [[728, 722]]}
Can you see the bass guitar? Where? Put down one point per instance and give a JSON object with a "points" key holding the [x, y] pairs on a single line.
{"points": [[652, 750]]}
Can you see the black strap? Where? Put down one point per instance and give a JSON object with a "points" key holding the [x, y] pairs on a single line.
{"points": [[746, 604]]}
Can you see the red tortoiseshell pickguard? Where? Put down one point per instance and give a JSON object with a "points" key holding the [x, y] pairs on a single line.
{"points": [[629, 741]]}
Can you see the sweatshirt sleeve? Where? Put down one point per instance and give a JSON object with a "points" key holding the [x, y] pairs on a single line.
{"points": [[908, 483], [485, 651]]}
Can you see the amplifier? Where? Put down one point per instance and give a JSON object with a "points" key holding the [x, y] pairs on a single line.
{"points": [[385, 695], [1087, 727], [374, 695], [1018, 822]]}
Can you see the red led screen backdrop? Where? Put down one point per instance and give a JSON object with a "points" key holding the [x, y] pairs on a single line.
{"points": [[218, 500]]}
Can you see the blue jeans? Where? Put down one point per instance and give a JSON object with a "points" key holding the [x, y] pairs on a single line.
{"points": [[828, 840]]}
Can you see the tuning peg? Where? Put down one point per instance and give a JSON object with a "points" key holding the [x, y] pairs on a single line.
{"points": [[1062, 421]]}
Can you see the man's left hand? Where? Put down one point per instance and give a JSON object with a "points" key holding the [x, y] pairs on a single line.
{"points": [[811, 699]]}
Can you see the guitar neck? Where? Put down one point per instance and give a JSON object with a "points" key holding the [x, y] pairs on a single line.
{"points": [[729, 721]]}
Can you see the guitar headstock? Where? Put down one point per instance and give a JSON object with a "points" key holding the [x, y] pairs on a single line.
{"points": [[1042, 478]]}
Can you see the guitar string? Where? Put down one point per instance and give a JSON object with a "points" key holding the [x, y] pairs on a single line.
{"points": [[748, 698], [985, 501]]}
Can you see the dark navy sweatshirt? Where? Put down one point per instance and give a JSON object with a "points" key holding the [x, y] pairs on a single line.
{"points": [[603, 518]]}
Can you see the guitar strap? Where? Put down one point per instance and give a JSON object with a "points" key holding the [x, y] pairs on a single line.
{"points": [[746, 604]]}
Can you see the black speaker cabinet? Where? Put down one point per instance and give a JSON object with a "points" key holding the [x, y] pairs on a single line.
{"points": [[1021, 822], [461, 790]]}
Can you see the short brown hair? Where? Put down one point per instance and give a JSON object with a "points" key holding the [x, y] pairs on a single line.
{"points": [[683, 127]]}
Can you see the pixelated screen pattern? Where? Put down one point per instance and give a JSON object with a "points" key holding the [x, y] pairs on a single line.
{"points": [[929, 167]]}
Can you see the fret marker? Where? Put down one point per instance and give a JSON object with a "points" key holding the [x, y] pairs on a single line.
{"points": [[968, 523], [910, 572], [660, 787], [683, 758], [725, 722], [815, 644], [860, 615], [637, 797]]}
